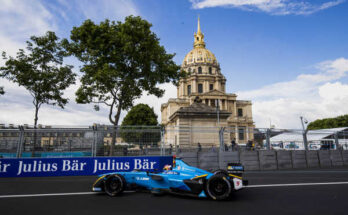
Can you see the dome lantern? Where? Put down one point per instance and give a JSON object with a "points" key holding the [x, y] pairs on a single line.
{"points": [[199, 54]]}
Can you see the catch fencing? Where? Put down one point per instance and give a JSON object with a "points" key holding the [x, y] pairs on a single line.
{"points": [[96, 140]]}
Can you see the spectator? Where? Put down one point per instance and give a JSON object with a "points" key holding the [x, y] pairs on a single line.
{"points": [[199, 147], [226, 147], [212, 149], [125, 151], [178, 149], [249, 145], [233, 144], [170, 149]]}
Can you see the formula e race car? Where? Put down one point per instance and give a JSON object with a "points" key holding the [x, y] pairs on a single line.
{"points": [[179, 178]]}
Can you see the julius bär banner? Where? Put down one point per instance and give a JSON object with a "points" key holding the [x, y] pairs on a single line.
{"points": [[31, 167]]}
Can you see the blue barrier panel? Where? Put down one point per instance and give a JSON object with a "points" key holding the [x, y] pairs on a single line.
{"points": [[31, 167]]}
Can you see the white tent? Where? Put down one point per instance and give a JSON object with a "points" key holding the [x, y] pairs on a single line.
{"points": [[313, 136]]}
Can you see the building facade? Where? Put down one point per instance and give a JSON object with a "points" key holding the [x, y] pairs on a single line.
{"points": [[205, 84]]}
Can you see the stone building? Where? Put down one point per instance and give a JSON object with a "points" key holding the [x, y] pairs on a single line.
{"points": [[198, 96]]}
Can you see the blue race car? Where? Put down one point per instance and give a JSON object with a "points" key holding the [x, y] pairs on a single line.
{"points": [[179, 179]]}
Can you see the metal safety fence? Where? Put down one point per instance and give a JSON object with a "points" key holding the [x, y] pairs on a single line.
{"points": [[96, 140]]}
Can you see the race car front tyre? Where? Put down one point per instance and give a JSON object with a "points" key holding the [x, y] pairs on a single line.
{"points": [[218, 187], [114, 185]]}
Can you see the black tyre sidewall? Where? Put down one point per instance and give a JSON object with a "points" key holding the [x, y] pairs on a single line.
{"points": [[108, 190], [208, 188], [220, 172]]}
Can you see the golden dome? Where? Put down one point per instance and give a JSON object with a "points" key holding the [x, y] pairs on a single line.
{"points": [[199, 54]]}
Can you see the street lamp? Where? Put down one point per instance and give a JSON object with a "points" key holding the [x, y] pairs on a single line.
{"points": [[304, 131]]}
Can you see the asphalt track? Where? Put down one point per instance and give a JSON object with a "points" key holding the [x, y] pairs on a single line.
{"points": [[277, 192]]}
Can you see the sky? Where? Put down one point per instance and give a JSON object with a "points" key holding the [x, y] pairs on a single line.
{"points": [[289, 57]]}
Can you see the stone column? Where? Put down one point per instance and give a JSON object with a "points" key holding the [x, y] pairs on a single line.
{"points": [[247, 132], [206, 86], [194, 86], [236, 133]]}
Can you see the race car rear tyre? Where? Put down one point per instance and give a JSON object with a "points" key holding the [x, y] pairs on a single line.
{"points": [[220, 171], [114, 185], [218, 187]]}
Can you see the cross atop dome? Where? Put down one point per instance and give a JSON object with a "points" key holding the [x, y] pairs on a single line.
{"points": [[199, 37]]}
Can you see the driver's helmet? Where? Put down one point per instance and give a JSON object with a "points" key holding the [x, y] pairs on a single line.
{"points": [[167, 167]]}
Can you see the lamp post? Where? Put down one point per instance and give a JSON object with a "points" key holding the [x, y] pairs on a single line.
{"points": [[217, 111], [304, 132]]}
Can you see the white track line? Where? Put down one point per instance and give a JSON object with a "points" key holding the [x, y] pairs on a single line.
{"points": [[297, 184], [52, 194], [250, 186], [46, 194]]}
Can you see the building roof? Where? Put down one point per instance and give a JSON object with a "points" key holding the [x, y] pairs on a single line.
{"points": [[200, 109], [312, 135]]}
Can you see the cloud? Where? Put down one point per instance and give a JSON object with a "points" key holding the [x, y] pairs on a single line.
{"points": [[96, 11], [20, 19], [274, 7], [313, 96]]}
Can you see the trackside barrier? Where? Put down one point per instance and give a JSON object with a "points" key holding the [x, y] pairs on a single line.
{"points": [[299, 159], [312, 159], [345, 157], [324, 159], [228, 157], [268, 160], [208, 160], [250, 160], [284, 159], [31, 167], [189, 157], [336, 158]]}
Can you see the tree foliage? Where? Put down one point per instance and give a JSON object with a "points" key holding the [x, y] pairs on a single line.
{"points": [[141, 114], [340, 121], [40, 70], [140, 126], [120, 61]]}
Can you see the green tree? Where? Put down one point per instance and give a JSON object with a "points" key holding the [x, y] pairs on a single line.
{"points": [[340, 121], [40, 71], [121, 60], [140, 126]]}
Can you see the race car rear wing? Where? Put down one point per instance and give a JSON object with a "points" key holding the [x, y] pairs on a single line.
{"points": [[235, 168]]}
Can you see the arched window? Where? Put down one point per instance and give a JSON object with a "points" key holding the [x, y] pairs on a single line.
{"points": [[189, 70], [210, 70], [199, 70]]}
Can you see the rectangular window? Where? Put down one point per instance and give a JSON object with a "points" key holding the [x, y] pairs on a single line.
{"points": [[188, 89], [240, 112], [211, 86], [200, 88], [241, 133]]}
